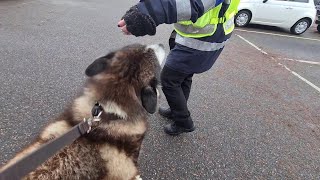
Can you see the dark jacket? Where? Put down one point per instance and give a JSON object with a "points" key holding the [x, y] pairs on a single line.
{"points": [[187, 59]]}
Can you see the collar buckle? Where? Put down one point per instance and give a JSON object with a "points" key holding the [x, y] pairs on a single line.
{"points": [[95, 118]]}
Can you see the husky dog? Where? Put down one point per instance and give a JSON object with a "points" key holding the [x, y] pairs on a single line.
{"points": [[124, 82]]}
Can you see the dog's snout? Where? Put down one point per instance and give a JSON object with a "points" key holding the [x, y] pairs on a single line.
{"points": [[159, 51]]}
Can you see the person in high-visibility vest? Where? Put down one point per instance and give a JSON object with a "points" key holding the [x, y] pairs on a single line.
{"points": [[202, 28]]}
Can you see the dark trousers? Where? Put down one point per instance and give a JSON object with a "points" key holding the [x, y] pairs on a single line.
{"points": [[176, 87]]}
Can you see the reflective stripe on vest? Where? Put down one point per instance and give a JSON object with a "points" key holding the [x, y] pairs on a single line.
{"points": [[206, 25], [183, 10], [228, 26], [208, 4], [199, 45], [229, 14], [192, 30], [189, 29]]}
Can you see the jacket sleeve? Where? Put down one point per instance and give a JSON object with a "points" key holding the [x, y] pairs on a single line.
{"points": [[172, 11]]}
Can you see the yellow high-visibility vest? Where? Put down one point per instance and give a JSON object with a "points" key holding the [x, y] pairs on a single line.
{"points": [[206, 25]]}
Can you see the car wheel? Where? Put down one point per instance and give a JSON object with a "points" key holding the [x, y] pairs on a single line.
{"points": [[300, 27], [318, 28], [242, 18]]}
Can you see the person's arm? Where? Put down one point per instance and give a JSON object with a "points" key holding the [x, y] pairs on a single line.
{"points": [[143, 18], [172, 11]]}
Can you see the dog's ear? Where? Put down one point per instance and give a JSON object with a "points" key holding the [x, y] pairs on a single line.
{"points": [[149, 99], [96, 67], [99, 65]]}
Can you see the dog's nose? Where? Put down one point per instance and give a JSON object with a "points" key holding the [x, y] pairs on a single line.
{"points": [[159, 51], [161, 45]]}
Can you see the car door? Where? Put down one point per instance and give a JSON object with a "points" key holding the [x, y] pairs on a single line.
{"points": [[297, 9], [273, 12]]}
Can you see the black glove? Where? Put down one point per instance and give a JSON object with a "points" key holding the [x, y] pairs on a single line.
{"points": [[139, 24]]}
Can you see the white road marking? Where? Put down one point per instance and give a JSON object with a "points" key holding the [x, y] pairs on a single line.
{"points": [[302, 61], [288, 59], [300, 77], [282, 35], [294, 73], [259, 49]]}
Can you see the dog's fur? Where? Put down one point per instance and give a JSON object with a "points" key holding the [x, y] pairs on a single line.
{"points": [[124, 82]]}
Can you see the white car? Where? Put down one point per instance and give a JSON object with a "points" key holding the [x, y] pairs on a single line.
{"points": [[294, 15], [318, 14]]}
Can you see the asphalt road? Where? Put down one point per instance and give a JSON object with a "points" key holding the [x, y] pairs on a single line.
{"points": [[256, 111]]}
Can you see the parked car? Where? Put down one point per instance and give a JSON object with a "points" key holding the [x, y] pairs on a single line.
{"points": [[318, 14], [294, 15]]}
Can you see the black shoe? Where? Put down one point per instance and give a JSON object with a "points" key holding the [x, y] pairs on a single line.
{"points": [[174, 129], [165, 112]]}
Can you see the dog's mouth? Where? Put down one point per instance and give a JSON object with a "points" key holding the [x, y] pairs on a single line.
{"points": [[159, 51]]}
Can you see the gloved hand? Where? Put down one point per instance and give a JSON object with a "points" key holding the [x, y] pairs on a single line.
{"points": [[136, 23]]}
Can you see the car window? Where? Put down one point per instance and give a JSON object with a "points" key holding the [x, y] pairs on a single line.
{"points": [[300, 1]]}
